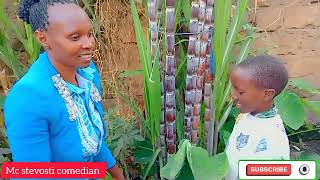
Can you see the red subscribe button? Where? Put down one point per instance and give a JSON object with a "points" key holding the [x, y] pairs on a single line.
{"points": [[53, 170], [268, 169]]}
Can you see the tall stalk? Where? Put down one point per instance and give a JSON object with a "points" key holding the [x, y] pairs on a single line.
{"points": [[191, 67], [163, 132], [170, 114], [200, 62], [208, 34], [205, 17], [154, 13], [163, 121], [153, 26]]}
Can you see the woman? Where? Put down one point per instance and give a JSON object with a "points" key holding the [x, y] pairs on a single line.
{"points": [[54, 112]]}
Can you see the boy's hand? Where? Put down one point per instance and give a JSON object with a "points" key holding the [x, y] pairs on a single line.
{"points": [[116, 173]]}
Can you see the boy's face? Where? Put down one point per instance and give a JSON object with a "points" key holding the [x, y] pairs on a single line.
{"points": [[248, 97]]}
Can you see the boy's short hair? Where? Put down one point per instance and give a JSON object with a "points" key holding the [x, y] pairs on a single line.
{"points": [[267, 72]]}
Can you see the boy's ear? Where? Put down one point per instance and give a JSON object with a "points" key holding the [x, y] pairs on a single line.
{"points": [[269, 94], [41, 37]]}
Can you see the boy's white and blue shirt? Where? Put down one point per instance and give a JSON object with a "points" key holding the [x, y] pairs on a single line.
{"points": [[257, 137], [50, 120]]}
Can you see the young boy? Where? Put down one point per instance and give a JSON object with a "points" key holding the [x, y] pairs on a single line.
{"points": [[258, 132]]}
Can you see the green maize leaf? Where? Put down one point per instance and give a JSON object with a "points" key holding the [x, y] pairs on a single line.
{"points": [[186, 9], [177, 15], [151, 72], [222, 14], [223, 47], [225, 116], [245, 49]]}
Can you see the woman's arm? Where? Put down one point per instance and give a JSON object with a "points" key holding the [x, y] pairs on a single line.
{"points": [[26, 127]]}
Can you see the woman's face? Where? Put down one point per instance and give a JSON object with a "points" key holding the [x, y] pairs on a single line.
{"points": [[69, 36]]}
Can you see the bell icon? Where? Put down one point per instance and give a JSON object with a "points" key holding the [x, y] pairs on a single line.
{"points": [[304, 169]]}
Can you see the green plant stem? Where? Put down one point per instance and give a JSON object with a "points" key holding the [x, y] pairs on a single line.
{"points": [[304, 131], [210, 138], [151, 163], [215, 139], [161, 164], [211, 127]]}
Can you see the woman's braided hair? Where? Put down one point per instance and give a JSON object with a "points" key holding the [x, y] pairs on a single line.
{"points": [[35, 12]]}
